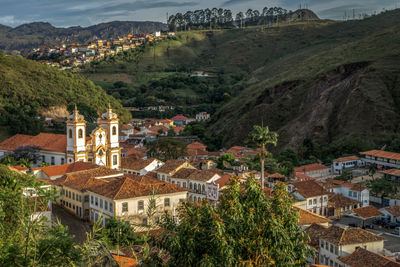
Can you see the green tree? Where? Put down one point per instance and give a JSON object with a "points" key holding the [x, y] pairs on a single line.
{"points": [[166, 149], [225, 160], [119, 233], [372, 170], [262, 136], [382, 187], [245, 229]]}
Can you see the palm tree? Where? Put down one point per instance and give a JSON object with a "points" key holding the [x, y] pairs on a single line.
{"points": [[263, 136]]}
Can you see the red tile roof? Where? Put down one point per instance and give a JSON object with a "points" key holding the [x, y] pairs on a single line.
{"points": [[171, 165], [348, 236], [179, 117], [204, 175], [307, 217], [58, 170], [276, 176], [340, 201], [362, 257], [394, 210], [46, 141], [183, 173], [131, 163], [125, 127], [382, 154], [394, 172], [303, 177], [344, 159], [354, 187], [224, 180], [124, 261], [311, 167], [315, 231], [309, 188], [196, 145], [178, 129], [367, 212]]}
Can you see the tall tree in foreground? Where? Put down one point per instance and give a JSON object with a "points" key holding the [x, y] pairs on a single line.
{"points": [[262, 136], [245, 229]]}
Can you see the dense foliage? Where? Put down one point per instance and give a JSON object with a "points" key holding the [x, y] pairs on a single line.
{"points": [[245, 229], [28, 88], [166, 148]]}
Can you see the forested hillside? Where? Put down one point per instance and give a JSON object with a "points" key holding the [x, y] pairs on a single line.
{"points": [[325, 81], [28, 88]]}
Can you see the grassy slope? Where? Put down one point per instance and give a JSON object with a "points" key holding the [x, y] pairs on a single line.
{"points": [[296, 77], [26, 83]]}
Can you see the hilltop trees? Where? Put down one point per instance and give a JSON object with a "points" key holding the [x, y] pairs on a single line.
{"points": [[243, 230], [216, 18]]}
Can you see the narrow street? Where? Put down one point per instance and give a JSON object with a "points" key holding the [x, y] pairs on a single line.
{"points": [[76, 227]]}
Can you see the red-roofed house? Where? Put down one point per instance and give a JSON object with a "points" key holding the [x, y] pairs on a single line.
{"points": [[383, 159], [392, 212], [341, 164], [315, 170], [54, 172], [354, 191], [179, 119]]}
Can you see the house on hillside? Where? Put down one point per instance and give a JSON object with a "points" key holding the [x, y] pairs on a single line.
{"points": [[354, 191], [133, 165], [314, 170], [392, 213], [179, 120], [171, 167], [58, 171], [365, 257], [340, 205], [202, 116], [346, 163], [382, 159]]}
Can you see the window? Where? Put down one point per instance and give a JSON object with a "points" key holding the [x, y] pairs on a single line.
{"points": [[96, 201], [310, 202], [166, 202], [195, 187], [331, 248], [350, 194], [101, 203], [70, 133], [315, 201], [125, 207], [73, 196], [91, 200], [69, 194], [111, 207], [62, 160], [80, 198], [322, 243], [115, 160], [106, 205], [114, 130], [178, 183], [336, 250], [203, 188], [190, 185], [86, 198], [80, 133], [144, 221], [53, 161], [184, 184], [163, 177], [140, 205]]}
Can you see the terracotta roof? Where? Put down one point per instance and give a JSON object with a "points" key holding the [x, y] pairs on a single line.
{"points": [[354, 187], [224, 180], [171, 165], [315, 231], [303, 177], [21, 169], [132, 152], [196, 145], [344, 159], [235, 149], [131, 187], [394, 172], [347, 236], [362, 257], [204, 175], [308, 217], [382, 154], [276, 176], [367, 212], [131, 163], [394, 210], [178, 129], [311, 167], [179, 117], [124, 261], [308, 188], [66, 168], [125, 127], [46, 141], [155, 129], [183, 173], [340, 201]]}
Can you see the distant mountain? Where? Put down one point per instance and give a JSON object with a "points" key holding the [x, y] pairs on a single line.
{"points": [[35, 34]]}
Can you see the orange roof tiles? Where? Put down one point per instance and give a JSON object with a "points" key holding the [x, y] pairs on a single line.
{"points": [[204, 175], [362, 257], [340, 201], [131, 163], [125, 261], [276, 176], [367, 212], [354, 187], [125, 127], [196, 145], [46, 141], [171, 165], [310, 167], [183, 173], [308, 217], [394, 210], [394, 172], [308, 188], [315, 231], [382, 154], [66, 168], [344, 159], [303, 177], [347, 236], [178, 129], [224, 180]]}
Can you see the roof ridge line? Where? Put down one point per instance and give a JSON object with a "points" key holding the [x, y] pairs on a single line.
{"points": [[119, 190]]}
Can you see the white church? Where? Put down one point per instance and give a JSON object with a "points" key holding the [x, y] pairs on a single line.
{"points": [[101, 147]]}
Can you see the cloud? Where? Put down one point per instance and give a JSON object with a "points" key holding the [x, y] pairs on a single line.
{"points": [[11, 21]]}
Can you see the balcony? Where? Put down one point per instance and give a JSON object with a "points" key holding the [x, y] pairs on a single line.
{"points": [[381, 162]]}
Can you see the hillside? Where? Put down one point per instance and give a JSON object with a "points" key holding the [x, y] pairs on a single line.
{"points": [[324, 80], [36, 34], [28, 88]]}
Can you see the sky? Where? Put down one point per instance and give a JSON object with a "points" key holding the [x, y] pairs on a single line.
{"points": [[63, 13]]}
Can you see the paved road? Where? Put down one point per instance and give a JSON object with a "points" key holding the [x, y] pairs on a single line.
{"points": [[76, 227]]}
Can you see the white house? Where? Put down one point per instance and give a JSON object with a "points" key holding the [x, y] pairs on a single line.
{"points": [[354, 191], [310, 195], [202, 116], [392, 213], [345, 163], [383, 159], [140, 166]]}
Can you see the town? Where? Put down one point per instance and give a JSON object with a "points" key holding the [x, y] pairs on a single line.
{"points": [[75, 55], [114, 172]]}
